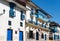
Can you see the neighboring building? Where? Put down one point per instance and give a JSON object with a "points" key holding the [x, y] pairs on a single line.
{"points": [[37, 23], [54, 27]]}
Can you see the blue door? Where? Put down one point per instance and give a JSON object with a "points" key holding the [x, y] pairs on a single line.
{"points": [[9, 34], [20, 35]]}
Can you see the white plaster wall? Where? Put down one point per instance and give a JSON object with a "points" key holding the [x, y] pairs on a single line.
{"points": [[15, 22], [34, 18], [28, 13], [3, 20], [29, 28]]}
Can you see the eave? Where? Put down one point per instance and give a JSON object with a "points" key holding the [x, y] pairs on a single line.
{"points": [[40, 9], [31, 4], [17, 4]]}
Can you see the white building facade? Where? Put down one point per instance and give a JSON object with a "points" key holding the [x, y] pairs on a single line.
{"points": [[12, 21], [20, 21]]}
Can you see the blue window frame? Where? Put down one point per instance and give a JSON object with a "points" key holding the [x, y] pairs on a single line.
{"points": [[22, 15], [11, 11], [37, 16], [20, 35], [9, 34], [37, 36]]}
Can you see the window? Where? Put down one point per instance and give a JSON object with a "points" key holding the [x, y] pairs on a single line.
{"points": [[21, 24], [9, 23], [22, 15], [11, 11], [31, 34], [15, 32], [3, 11]]}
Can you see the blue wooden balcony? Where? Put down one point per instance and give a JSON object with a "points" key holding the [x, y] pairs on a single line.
{"points": [[12, 13]]}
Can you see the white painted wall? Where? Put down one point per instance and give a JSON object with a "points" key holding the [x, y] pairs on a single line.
{"points": [[15, 22]]}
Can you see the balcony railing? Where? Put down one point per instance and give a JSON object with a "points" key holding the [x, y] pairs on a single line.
{"points": [[12, 13], [33, 25]]}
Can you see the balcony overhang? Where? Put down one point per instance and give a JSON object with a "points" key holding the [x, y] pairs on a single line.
{"points": [[40, 20], [45, 13], [17, 4], [36, 26]]}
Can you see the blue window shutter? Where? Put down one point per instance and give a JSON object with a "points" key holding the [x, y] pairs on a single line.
{"points": [[45, 36], [36, 21], [37, 16], [55, 37], [31, 12], [22, 15], [58, 36], [11, 11], [31, 15]]}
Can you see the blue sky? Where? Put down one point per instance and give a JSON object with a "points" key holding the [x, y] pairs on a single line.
{"points": [[50, 6]]}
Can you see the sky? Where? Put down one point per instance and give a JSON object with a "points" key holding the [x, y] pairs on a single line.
{"points": [[52, 7]]}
